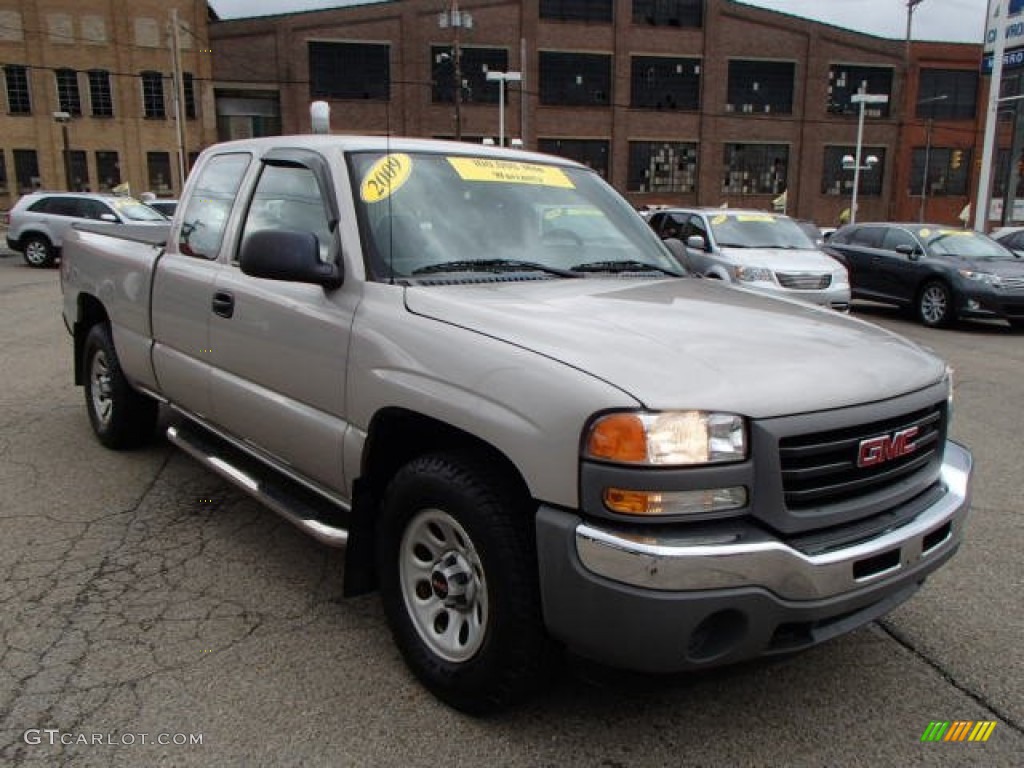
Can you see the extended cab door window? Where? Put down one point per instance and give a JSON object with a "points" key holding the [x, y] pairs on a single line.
{"points": [[209, 205]]}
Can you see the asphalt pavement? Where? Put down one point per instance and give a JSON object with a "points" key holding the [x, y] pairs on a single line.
{"points": [[142, 600]]}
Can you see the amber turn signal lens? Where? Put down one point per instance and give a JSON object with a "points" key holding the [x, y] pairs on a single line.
{"points": [[618, 437]]}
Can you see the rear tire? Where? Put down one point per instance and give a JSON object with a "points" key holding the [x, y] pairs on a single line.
{"points": [[935, 305], [39, 252], [121, 417], [459, 582]]}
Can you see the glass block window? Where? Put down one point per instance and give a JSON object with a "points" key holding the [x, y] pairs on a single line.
{"points": [[19, 101], [844, 80], [153, 95], [669, 13], [958, 86], [836, 180], [576, 10], [475, 64], [108, 170], [659, 82], [760, 87], [662, 166], [350, 71], [575, 79], [590, 152], [100, 97], [68, 98], [755, 169]]}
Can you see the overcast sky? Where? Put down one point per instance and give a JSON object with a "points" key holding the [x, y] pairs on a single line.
{"points": [[954, 20]]}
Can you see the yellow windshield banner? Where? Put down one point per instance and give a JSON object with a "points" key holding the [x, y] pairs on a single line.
{"points": [[509, 172], [385, 177], [756, 217]]}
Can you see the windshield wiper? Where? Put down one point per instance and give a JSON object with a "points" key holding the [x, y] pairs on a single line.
{"points": [[623, 266], [492, 265]]}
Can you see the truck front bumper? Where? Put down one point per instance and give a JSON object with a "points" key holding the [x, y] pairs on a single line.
{"points": [[662, 602]]}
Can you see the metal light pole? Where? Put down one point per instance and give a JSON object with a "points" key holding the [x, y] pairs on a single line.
{"points": [[861, 98], [927, 154], [62, 119], [457, 20], [502, 78]]}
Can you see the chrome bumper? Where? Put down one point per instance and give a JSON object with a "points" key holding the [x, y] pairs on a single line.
{"points": [[749, 557]]}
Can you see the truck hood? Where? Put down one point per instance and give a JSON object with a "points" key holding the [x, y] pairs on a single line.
{"points": [[688, 343], [782, 259]]}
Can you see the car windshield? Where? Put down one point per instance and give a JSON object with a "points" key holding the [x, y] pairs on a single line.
{"points": [[758, 230], [425, 214], [962, 244], [133, 210]]}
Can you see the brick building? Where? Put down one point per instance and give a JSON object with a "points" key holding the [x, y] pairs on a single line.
{"points": [[107, 65]]}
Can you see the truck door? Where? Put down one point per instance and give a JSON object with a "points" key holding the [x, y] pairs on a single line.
{"points": [[279, 349], [183, 284]]}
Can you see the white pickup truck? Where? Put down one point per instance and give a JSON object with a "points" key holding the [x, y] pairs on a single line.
{"points": [[482, 372]]}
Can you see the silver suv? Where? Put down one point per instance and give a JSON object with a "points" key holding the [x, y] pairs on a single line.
{"points": [[755, 249], [38, 221]]}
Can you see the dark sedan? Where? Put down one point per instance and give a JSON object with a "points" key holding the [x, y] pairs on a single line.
{"points": [[939, 272]]}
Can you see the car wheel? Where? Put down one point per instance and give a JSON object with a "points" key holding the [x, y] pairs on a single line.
{"points": [[39, 252], [459, 582], [1017, 324], [120, 416], [935, 305]]}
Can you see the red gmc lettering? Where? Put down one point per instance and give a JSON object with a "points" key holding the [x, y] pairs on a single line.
{"points": [[878, 450]]}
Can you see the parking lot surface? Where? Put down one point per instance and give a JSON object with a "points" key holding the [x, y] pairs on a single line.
{"points": [[145, 606]]}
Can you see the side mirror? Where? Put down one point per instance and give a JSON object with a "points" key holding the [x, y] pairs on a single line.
{"points": [[289, 256], [696, 242], [911, 252], [109, 217]]}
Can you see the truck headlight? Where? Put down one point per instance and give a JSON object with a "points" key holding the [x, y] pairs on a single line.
{"points": [[982, 277], [754, 275], [671, 438]]}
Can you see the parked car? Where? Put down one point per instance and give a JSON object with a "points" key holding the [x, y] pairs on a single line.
{"points": [[39, 221], [1010, 237], [940, 272], [756, 249]]}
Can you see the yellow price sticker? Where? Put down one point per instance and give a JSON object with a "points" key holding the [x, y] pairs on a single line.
{"points": [[509, 172], [720, 219], [385, 177], [756, 217], [925, 232]]}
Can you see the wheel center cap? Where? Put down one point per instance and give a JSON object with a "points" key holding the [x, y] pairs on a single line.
{"points": [[453, 581]]}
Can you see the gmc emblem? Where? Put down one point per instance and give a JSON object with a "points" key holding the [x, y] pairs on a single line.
{"points": [[878, 450]]}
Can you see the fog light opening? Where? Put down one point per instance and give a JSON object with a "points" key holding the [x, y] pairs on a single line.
{"points": [[719, 634]]}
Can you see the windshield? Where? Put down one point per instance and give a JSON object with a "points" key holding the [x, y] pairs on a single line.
{"points": [[962, 244], [133, 210], [758, 230], [426, 214]]}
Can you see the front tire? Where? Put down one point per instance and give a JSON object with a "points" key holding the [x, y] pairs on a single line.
{"points": [[459, 582], [121, 417], [39, 252], [935, 305]]}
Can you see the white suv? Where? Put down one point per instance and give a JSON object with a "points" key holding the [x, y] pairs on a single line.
{"points": [[38, 221]]}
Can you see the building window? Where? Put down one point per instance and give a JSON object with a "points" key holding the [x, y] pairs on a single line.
{"points": [[845, 80], [153, 95], [593, 153], [1000, 173], [665, 83], [755, 169], [68, 98], [836, 180], [3, 173], [575, 79], [669, 13], [79, 168], [662, 166], [759, 87], [108, 170], [158, 166], [189, 87], [99, 93], [26, 171], [949, 171], [349, 71], [18, 99], [474, 64], [958, 86], [576, 10]]}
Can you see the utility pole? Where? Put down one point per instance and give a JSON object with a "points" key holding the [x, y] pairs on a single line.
{"points": [[457, 20], [179, 97]]}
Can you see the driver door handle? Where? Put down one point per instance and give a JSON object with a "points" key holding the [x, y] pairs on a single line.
{"points": [[223, 304]]}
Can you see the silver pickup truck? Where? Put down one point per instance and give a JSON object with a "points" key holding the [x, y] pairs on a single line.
{"points": [[481, 372]]}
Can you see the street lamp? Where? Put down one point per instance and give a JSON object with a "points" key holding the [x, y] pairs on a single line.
{"points": [[861, 98], [927, 153], [457, 20], [502, 78], [62, 119]]}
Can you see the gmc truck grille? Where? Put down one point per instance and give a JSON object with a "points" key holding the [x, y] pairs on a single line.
{"points": [[803, 282], [843, 464]]}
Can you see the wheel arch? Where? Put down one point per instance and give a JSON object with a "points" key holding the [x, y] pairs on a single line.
{"points": [[90, 312]]}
